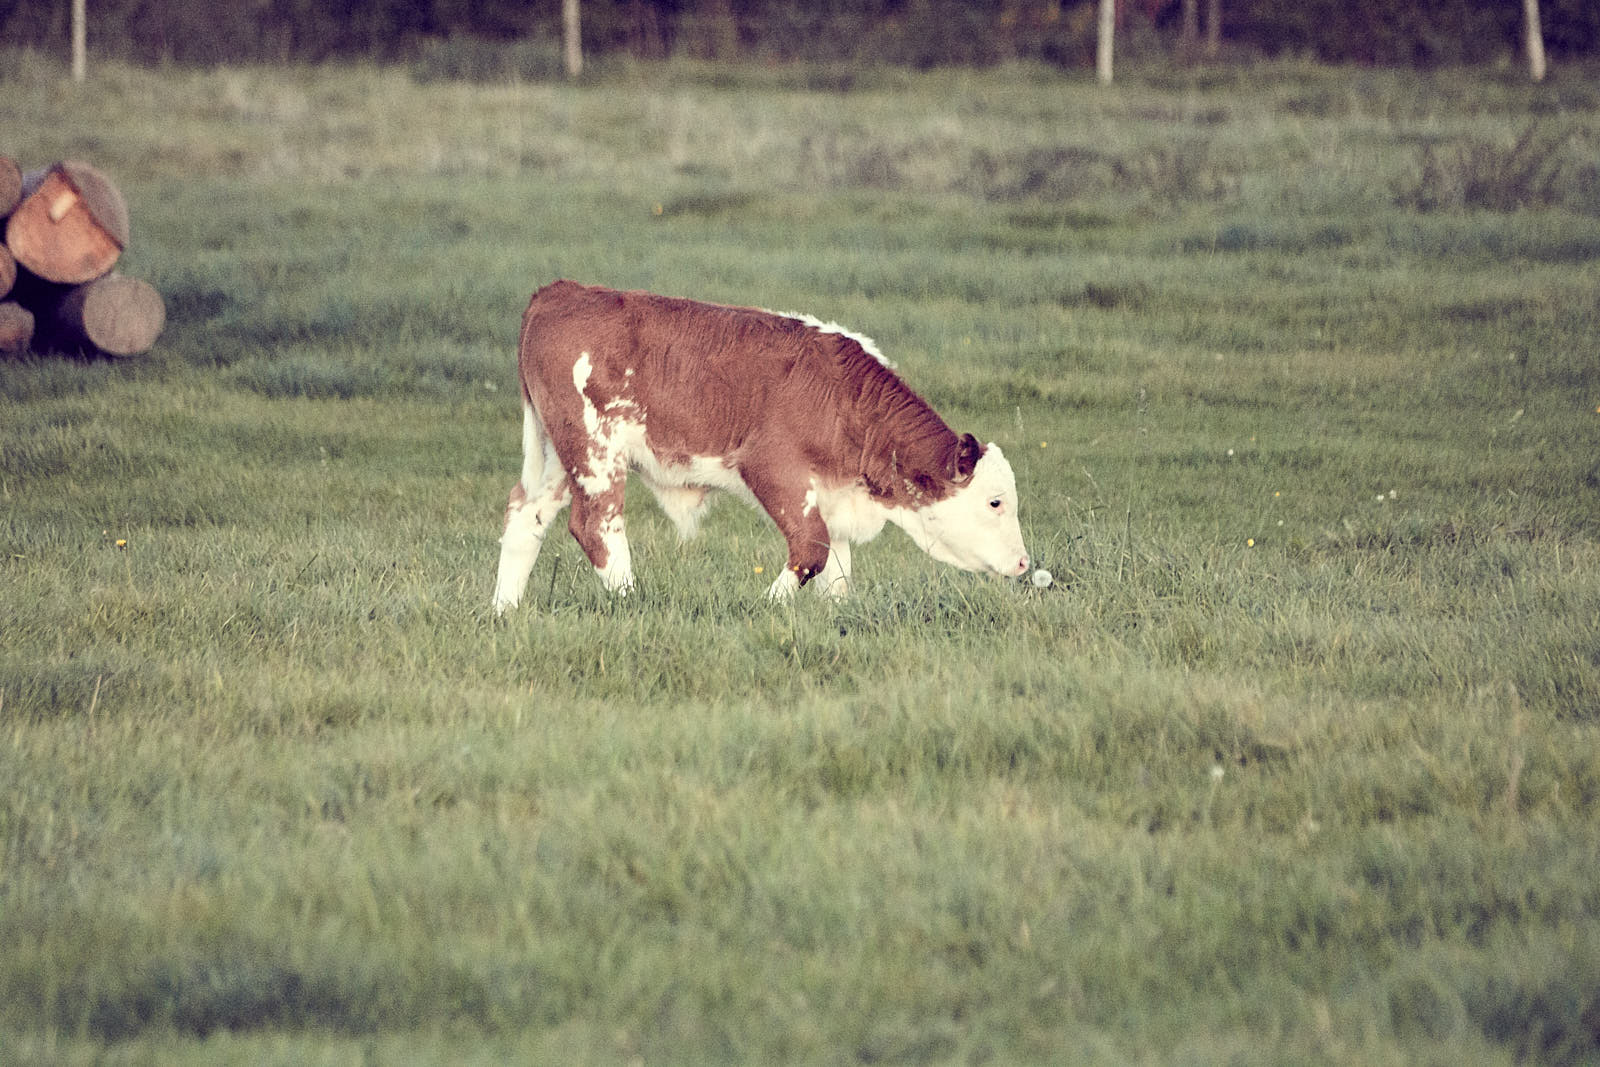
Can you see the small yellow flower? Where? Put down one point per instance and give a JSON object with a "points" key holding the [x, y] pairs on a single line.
{"points": [[1276, 494], [1249, 542], [122, 542], [760, 569], [1046, 444]]}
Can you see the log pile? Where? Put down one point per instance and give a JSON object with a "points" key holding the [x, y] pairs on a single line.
{"points": [[65, 227]]}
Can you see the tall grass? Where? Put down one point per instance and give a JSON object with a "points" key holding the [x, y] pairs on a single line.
{"points": [[1296, 761]]}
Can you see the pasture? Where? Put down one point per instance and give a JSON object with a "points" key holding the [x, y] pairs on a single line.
{"points": [[1297, 761]]}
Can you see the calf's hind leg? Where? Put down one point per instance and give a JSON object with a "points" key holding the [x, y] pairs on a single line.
{"points": [[528, 517]]}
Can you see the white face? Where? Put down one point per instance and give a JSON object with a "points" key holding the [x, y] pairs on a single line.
{"points": [[975, 528]]}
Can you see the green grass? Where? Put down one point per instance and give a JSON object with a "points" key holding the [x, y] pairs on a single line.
{"points": [[1298, 761]]}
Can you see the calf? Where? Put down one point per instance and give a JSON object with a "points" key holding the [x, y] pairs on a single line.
{"points": [[801, 417]]}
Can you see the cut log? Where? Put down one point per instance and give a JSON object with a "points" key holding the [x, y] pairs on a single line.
{"points": [[10, 185], [8, 271], [16, 327], [71, 225], [118, 315]]}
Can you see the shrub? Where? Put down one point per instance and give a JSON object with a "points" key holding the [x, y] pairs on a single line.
{"points": [[1493, 177]]}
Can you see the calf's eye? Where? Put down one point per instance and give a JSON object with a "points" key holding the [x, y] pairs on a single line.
{"points": [[995, 503]]}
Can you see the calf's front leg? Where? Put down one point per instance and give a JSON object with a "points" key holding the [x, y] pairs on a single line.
{"points": [[784, 499]]}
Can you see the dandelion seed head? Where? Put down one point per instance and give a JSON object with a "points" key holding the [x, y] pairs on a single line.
{"points": [[1042, 578]]}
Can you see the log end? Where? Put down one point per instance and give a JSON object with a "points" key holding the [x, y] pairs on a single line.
{"points": [[118, 315], [71, 226], [102, 198], [10, 185], [16, 327]]}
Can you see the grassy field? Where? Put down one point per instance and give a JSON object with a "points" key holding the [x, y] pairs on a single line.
{"points": [[1298, 761]]}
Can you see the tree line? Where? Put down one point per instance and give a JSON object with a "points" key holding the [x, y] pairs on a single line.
{"points": [[918, 33]]}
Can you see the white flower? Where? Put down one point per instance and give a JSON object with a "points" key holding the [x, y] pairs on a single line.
{"points": [[1217, 772]]}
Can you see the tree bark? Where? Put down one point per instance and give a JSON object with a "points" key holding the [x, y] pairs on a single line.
{"points": [[572, 37], [10, 185], [1106, 44], [118, 315], [1535, 34], [71, 226]]}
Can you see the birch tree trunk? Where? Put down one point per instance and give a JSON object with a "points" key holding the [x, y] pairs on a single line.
{"points": [[1535, 35], [1189, 37], [572, 37], [80, 40], [1108, 29]]}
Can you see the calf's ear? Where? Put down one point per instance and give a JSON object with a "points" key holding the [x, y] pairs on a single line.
{"points": [[964, 457]]}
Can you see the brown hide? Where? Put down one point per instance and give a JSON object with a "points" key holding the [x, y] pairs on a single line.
{"points": [[777, 399]]}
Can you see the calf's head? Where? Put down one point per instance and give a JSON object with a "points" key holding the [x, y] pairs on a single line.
{"points": [[973, 526]]}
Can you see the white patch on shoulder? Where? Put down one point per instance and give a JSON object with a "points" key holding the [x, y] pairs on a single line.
{"points": [[849, 512], [868, 344]]}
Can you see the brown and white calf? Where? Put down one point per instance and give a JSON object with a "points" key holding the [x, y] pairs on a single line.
{"points": [[801, 417]]}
